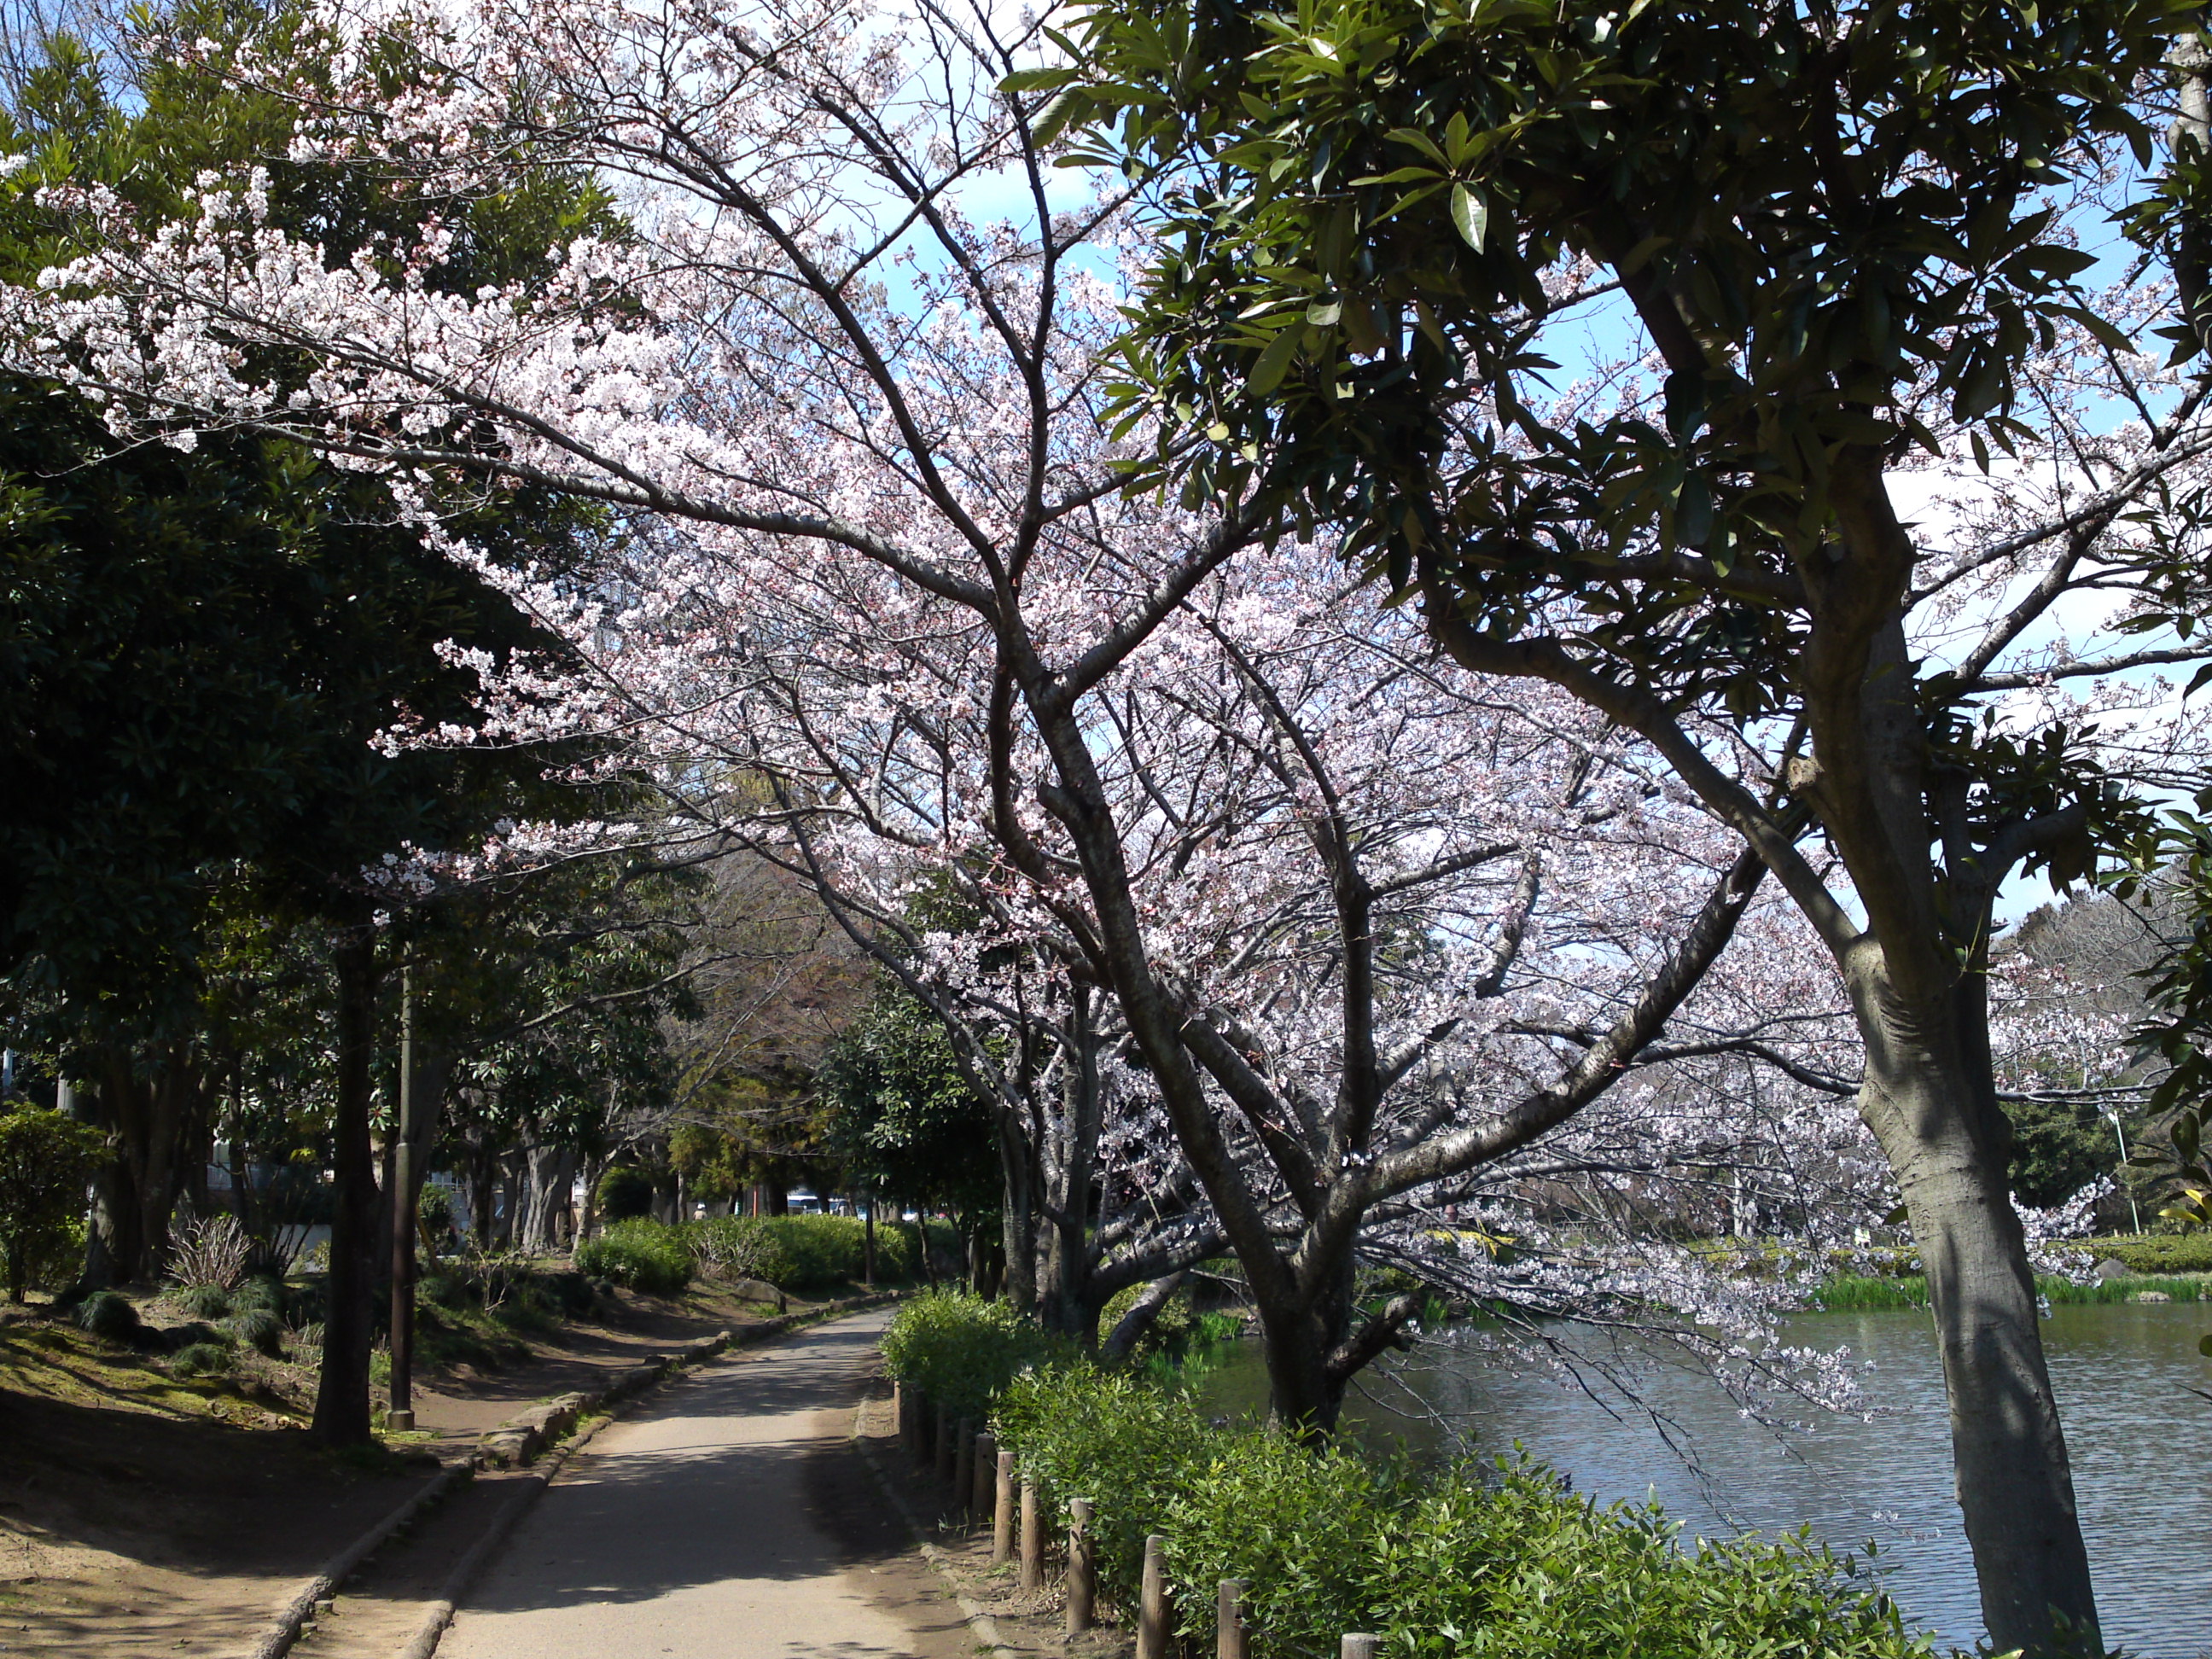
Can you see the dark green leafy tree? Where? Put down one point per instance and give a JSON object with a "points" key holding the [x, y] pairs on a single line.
{"points": [[1846, 236], [45, 1161], [902, 1115], [207, 634], [548, 1002]]}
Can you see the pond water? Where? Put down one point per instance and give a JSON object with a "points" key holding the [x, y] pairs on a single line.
{"points": [[2138, 1436]]}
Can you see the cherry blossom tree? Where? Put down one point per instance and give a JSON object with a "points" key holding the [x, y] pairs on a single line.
{"points": [[1300, 938]]}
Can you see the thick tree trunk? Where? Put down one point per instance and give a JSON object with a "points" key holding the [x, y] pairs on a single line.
{"points": [[342, 1413], [552, 1171], [1305, 1391], [111, 1246], [1017, 1216], [587, 1223], [1928, 1099], [1065, 1297]]}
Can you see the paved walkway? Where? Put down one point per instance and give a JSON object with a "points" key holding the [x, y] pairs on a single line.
{"points": [[718, 1522]]}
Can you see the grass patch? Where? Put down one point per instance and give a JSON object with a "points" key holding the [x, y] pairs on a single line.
{"points": [[446, 1337], [1851, 1294]]}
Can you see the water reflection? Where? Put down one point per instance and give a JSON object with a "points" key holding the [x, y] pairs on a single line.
{"points": [[2124, 1374]]}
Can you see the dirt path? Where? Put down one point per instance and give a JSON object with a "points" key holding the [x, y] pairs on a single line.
{"points": [[730, 1517], [157, 1528], [139, 1514]]}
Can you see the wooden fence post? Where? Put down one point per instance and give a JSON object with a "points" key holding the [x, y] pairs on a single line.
{"points": [[983, 1474], [1231, 1640], [964, 1459], [902, 1409], [1152, 1602], [932, 1446], [1358, 1645], [1082, 1581], [1032, 1538], [1002, 1511]]}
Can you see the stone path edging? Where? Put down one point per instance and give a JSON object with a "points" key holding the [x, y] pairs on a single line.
{"points": [[292, 1617], [517, 1441]]}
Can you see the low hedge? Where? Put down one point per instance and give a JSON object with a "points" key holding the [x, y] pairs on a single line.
{"points": [[962, 1351], [804, 1252], [643, 1254], [1469, 1560], [1473, 1561], [2155, 1253]]}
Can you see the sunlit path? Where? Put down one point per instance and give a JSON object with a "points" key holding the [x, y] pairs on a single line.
{"points": [[706, 1526]]}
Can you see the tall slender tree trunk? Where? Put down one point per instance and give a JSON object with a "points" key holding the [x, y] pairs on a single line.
{"points": [[342, 1412], [1928, 1098], [868, 1239]]}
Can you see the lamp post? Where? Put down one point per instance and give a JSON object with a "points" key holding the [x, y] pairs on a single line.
{"points": [[400, 1417]]}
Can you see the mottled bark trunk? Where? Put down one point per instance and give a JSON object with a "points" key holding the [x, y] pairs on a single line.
{"points": [[341, 1412], [1928, 1098], [587, 1223], [551, 1172]]}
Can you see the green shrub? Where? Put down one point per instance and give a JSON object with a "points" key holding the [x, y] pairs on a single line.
{"points": [[742, 1247], [106, 1315], [624, 1193], [1121, 1442], [1516, 1566], [1474, 1562], [45, 1160], [801, 1252], [204, 1301], [434, 1212], [961, 1351], [1300, 1525], [643, 1254], [573, 1292], [260, 1290], [823, 1250], [260, 1329], [200, 1359]]}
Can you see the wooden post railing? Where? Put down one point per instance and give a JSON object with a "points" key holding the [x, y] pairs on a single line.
{"points": [[1152, 1602], [1082, 1568], [983, 1474], [1032, 1538], [1230, 1638], [1002, 1510]]}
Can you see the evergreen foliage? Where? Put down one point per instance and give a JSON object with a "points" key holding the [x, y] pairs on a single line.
{"points": [[45, 1161]]}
